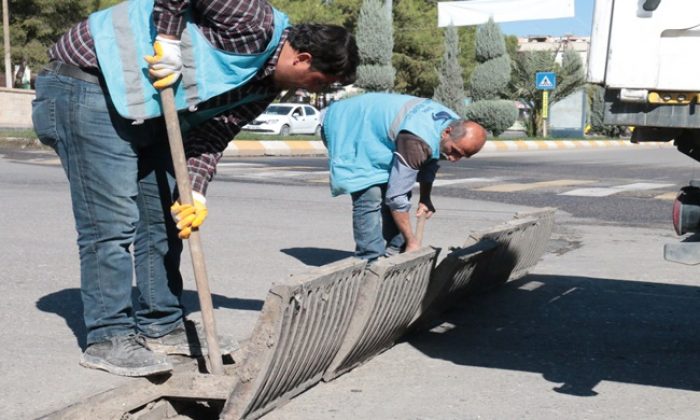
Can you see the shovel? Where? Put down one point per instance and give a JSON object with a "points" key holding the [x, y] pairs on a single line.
{"points": [[182, 177]]}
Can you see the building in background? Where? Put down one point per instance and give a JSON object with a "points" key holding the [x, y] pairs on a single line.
{"points": [[580, 44]]}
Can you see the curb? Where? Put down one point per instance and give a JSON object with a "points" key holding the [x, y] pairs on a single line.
{"points": [[316, 147]]}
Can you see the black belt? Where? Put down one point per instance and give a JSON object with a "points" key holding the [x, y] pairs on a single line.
{"points": [[72, 71]]}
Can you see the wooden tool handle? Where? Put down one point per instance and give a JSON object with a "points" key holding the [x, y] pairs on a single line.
{"points": [[184, 188]]}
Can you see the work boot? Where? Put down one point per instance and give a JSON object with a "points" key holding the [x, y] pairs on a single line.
{"points": [[189, 340], [126, 356]]}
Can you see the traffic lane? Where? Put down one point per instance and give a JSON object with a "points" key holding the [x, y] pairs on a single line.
{"points": [[632, 187], [623, 211], [643, 163], [649, 164], [611, 169]]}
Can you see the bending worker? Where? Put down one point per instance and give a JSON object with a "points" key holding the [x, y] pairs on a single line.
{"points": [[96, 107], [379, 145]]}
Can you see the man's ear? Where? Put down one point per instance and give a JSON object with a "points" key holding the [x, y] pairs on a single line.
{"points": [[446, 133], [304, 58]]}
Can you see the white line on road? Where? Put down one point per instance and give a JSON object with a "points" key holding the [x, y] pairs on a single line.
{"points": [[604, 192], [443, 182], [515, 187]]}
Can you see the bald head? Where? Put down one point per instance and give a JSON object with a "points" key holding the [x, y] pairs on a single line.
{"points": [[462, 139]]}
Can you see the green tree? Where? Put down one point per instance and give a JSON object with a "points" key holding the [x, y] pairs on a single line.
{"points": [[337, 12], [375, 42], [596, 110], [570, 78], [418, 47], [36, 24], [450, 90], [489, 81]]}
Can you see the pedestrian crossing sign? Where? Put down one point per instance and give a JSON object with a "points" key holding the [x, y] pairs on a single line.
{"points": [[545, 80]]}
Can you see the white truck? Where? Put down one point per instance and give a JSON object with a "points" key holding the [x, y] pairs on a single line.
{"points": [[646, 54]]}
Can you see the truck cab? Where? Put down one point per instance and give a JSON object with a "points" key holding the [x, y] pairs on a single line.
{"points": [[645, 54]]}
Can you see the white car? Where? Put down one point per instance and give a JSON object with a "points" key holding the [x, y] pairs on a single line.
{"points": [[287, 118]]}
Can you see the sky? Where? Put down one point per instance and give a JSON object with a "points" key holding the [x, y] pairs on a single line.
{"points": [[579, 25]]}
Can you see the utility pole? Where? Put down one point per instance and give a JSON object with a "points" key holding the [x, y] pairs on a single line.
{"points": [[6, 47]]}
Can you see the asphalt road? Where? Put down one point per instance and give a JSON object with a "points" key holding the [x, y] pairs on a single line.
{"points": [[641, 182], [603, 327]]}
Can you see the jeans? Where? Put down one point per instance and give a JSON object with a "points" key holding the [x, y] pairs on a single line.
{"points": [[373, 226], [121, 185]]}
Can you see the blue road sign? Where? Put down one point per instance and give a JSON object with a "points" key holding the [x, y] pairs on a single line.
{"points": [[545, 80]]}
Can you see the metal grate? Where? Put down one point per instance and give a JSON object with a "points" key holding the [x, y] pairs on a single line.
{"points": [[520, 244], [392, 292], [299, 332], [533, 243], [451, 278]]}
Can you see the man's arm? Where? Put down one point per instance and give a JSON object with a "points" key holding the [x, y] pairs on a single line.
{"points": [[426, 177], [168, 16], [411, 156], [204, 145]]}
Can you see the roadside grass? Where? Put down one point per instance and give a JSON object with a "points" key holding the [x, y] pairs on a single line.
{"points": [[23, 139]]}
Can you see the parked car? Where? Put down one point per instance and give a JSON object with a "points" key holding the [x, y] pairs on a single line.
{"points": [[287, 118]]}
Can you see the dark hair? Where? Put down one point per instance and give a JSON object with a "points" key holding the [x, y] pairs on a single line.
{"points": [[332, 48]]}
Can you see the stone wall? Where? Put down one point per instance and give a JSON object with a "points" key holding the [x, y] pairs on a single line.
{"points": [[16, 108]]}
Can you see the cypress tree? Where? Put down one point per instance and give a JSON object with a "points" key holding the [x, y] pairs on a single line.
{"points": [[375, 41], [489, 81], [450, 90]]}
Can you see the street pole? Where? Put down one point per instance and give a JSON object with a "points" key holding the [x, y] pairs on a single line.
{"points": [[6, 46], [545, 112]]}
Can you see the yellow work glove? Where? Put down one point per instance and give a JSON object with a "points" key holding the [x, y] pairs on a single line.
{"points": [[166, 65], [189, 216]]}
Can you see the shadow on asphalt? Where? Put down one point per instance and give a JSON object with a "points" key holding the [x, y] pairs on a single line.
{"points": [[317, 257], [68, 304], [577, 332]]}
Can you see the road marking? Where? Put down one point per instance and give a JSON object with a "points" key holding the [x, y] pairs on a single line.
{"points": [[319, 180], [604, 192], [240, 165], [514, 187], [443, 182], [286, 168], [261, 166], [667, 196]]}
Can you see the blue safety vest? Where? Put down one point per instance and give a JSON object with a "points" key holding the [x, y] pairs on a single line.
{"points": [[360, 133], [124, 34]]}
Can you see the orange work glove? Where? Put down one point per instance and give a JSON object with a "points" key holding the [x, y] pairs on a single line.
{"points": [[166, 65], [189, 216]]}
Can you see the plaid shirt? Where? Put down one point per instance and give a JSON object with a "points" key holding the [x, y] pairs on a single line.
{"points": [[240, 26]]}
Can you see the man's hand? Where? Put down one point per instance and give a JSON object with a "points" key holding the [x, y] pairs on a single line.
{"points": [[425, 208], [189, 216], [166, 65]]}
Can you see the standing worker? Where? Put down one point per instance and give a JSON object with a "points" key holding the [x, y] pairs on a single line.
{"points": [[95, 105], [379, 145]]}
